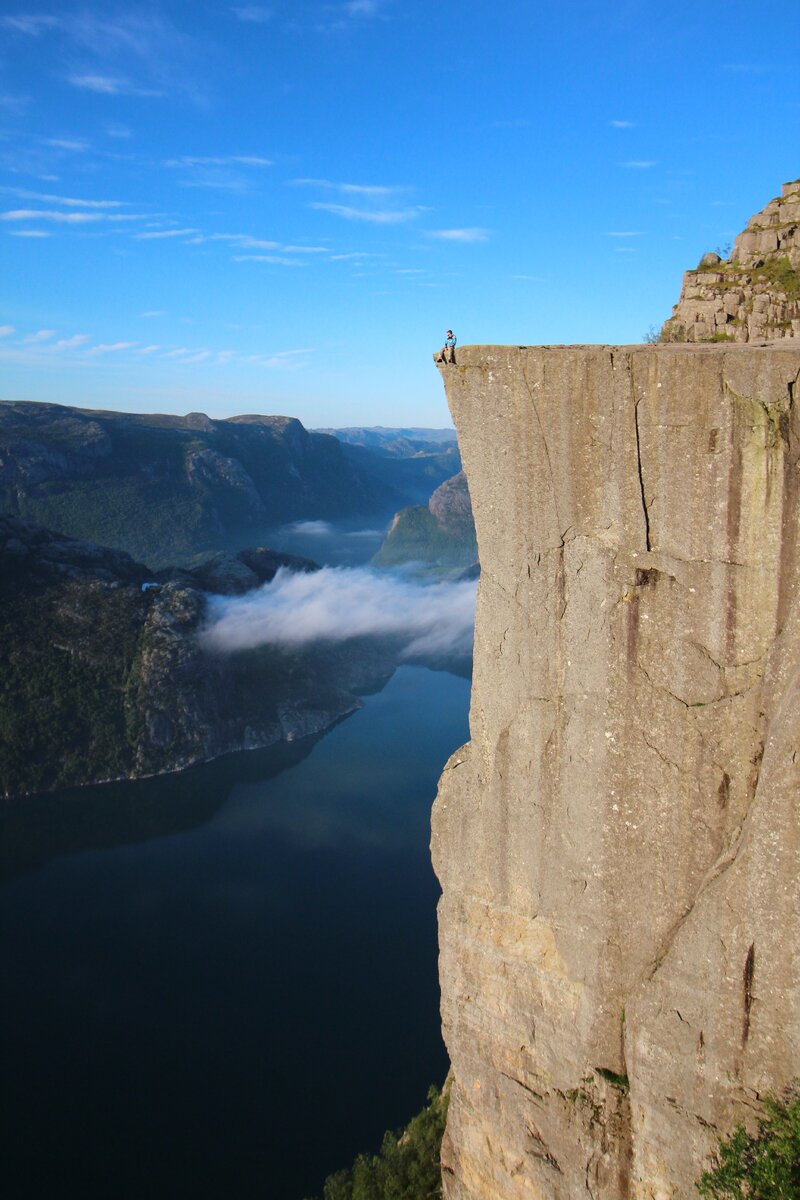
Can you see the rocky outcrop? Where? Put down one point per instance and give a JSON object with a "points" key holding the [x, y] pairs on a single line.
{"points": [[101, 680], [618, 844], [754, 295], [441, 534]]}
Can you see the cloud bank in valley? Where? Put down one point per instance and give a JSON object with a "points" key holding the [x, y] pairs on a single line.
{"points": [[338, 603]]}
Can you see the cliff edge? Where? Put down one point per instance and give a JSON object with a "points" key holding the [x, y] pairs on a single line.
{"points": [[618, 844]]}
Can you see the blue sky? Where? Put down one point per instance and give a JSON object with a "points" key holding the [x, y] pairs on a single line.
{"points": [[280, 207]]}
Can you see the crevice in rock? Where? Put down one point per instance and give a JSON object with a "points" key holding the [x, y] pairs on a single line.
{"points": [[641, 475]]}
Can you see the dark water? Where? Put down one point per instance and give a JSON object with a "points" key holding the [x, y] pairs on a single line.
{"points": [[232, 989]]}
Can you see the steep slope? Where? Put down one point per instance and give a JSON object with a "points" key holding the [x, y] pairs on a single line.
{"points": [[441, 534], [618, 844], [167, 488]]}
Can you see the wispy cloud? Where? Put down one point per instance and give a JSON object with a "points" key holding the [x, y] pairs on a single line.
{"points": [[622, 124], [110, 85], [75, 145], [470, 234], [154, 312], [377, 191], [30, 233], [66, 201], [245, 160], [253, 14], [375, 216], [274, 259], [135, 51], [639, 164], [158, 234], [34, 25], [363, 8], [747, 68], [71, 343], [624, 233], [41, 335], [7, 330], [68, 218], [112, 347]]}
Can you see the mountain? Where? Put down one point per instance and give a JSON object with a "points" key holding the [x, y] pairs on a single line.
{"points": [[441, 534], [100, 679], [396, 441], [167, 488]]}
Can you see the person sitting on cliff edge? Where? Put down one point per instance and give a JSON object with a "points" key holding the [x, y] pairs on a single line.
{"points": [[447, 354]]}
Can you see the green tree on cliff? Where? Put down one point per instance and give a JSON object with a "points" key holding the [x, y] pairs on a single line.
{"points": [[764, 1165]]}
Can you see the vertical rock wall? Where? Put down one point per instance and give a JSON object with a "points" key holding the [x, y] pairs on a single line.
{"points": [[618, 844]]}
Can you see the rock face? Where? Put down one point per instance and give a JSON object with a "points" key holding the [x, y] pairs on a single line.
{"points": [[618, 844], [753, 296], [439, 535]]}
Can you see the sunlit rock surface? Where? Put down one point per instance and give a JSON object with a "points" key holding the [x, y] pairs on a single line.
{"points": [[618, 844]]}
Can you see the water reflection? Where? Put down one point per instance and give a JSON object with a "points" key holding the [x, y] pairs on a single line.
{"points": [[36, 829]]}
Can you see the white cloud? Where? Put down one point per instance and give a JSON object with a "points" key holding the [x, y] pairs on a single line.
{"points": [[67, 218], [336, 604], [110, 85], [30, 233], [148, 349], [275, 259], [164, 233], [71, 343], [362, 8], [31, 24], [640, 164], [253, 14], [112, 347], [460, 235], [622, 124], [7, 330], [77, 145], [374, 216], [624, 233], [41, 335], [154, 312], [67, 201], [354, 189], [245, 160]]}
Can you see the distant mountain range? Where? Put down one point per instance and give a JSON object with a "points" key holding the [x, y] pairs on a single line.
{"points": [[168, 488]]}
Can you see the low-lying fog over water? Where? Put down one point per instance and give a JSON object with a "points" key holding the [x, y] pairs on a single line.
{"points": [[339, 543], [224, 983], [336, 604]]}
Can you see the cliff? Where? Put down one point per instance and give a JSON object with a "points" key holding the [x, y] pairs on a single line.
{"points": [[618, 843], [752, 296]]}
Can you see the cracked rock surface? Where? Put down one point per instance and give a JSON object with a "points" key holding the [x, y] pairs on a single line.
{"points": [[618, 843]]}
